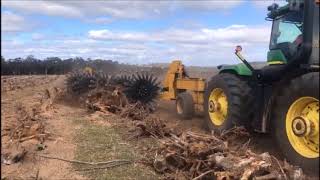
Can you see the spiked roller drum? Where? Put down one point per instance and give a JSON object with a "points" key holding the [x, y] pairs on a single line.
{"points": [[78, 83], [142, 88]]}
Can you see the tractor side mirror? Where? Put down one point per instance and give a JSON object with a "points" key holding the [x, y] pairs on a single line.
{"points": [[237, 52], [238, 49]]}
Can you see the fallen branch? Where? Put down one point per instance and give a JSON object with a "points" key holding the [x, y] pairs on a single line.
{"points": [[203, 174], [103, 167], [27, 138], [281, 169], [84, 162], [246, 145], [267, 177], [37, 175]]}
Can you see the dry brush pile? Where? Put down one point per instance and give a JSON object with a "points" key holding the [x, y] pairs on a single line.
{"points": [[190, 155], [127, 95]]}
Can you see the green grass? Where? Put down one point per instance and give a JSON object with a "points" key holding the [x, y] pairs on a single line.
{"points": [[101, 143]]}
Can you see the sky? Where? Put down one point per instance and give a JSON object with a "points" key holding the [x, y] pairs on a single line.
{"points": [[198, 32]]}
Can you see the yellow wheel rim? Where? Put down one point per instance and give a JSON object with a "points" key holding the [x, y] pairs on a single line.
{"points": [[302, 126], [218, 106]]}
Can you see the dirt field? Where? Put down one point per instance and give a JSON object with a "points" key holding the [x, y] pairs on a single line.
{"points": [[71, 133]]}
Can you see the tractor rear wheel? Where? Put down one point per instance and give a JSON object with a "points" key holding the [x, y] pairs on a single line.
{"points": [[185, 105], [228, 102], [295, 119]]}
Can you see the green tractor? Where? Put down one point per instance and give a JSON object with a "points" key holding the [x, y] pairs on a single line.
{"points": [[281, 98]]}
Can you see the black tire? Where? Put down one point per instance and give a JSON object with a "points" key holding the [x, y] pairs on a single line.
{"points": [[305, 85], [185, 105], [239, 98]]}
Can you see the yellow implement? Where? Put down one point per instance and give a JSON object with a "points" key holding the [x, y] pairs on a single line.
{"points": [[188, 92]]}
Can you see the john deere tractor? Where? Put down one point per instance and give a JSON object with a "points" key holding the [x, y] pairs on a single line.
{"points": [[281, 98]]}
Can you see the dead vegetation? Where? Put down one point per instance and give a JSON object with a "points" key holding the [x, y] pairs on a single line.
{"points": [[127, 96], [151, 126], [11, 83], [27, 132], [114, 101], [196, 156], [106, 100], [190, 155]]}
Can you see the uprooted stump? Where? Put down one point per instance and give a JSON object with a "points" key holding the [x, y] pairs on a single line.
{"points": [[114, 101], [106, 100]]}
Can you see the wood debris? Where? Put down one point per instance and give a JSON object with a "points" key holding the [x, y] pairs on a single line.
{"points": [[113, 100], [151, 127], [209, 156], [26, 131], [28, 125]]}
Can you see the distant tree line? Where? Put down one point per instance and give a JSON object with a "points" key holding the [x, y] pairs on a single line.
{"points": [[53, 65]]}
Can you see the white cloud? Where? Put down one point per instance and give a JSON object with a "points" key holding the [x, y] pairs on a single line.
{"points": [[11, 22], [209, 4], [104, 11], [42, 7], [124, 36], [240, 33], [100, 20], [230, 34]]}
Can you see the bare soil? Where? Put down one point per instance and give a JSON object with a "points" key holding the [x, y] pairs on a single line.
{"points": [[58, 123]]}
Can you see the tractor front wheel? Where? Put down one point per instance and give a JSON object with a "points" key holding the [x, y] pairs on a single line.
{"points": [[295, 119], [228, 102]]}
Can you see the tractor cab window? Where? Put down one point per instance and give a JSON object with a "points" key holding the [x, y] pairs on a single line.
{"points": [[287, 33]]}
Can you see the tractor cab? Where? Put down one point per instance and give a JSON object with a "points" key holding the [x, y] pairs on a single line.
{"points": [[294, 43], [286, 35], [295, 33]]}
